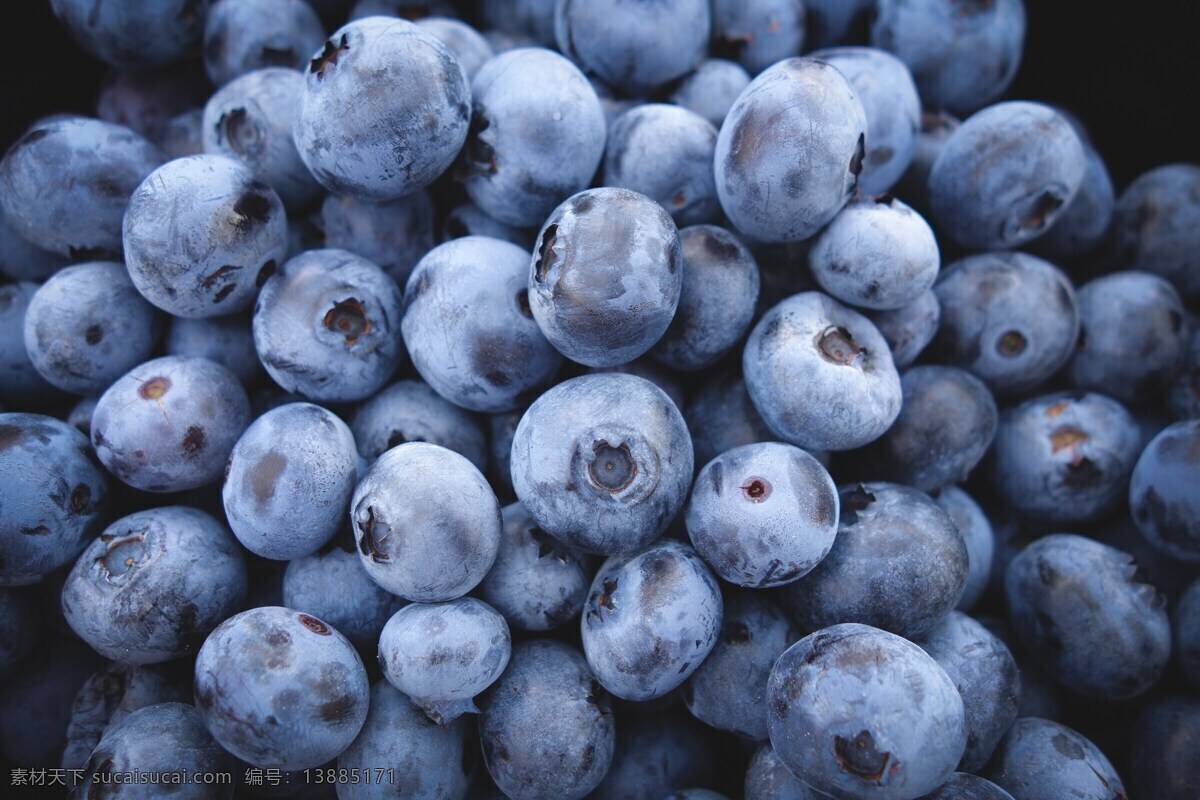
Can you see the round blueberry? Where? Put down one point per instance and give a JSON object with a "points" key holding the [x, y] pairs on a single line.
{"points": [[1162, 491]]}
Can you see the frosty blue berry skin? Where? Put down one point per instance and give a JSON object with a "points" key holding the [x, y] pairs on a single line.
{"points": [[169, 424], [401, 138], [289, 480], [546, 728], [711, 89], [1161, 497], [537, 136], [65, 184], [202, 234], [1039, 759], [977, 535], [327, 326], [1154, 225], [426, 523], [909, 329], [897, 738], [469, 329], [444, 654], [241, 36], [409, 411], [226, 340], [437, 761], [774, 184], [154, 584], [602, 463], [605, 276], [87, 326], [651, 617], [55, 498], [763, 514], [277, 663], [758, 33], [1070, 598], [250, 120], [394, 234]]}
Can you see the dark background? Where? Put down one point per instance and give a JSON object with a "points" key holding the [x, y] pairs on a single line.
{"points": [[1131, 76]]}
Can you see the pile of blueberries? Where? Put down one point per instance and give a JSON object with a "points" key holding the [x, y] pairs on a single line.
{"points": [[503, 399]]}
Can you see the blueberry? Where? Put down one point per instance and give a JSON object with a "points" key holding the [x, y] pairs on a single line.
{"points": [[665, 378], [1165, 762], [444, 654], [935, 131], [170, 424], [757, 33], [767, 778], [469, 219], [154, 584], [1085, 223], [877, 253], [722, 417], [834, 22], [728, 691], [426, 523], [965, 786], [250, 120], [763, 514], [1039, 759], [1162, 491], [909, 329], [87, 325], [54, 497], [947, 422], [436, 761], [409, 411], [1169, 576], [327, 326], [851, 394], [226, 340], [978, 536], [289, 480], [384, 110], [985, 674], [921, 580], [22, 260], [605, 277], [332, 585], [658, 753], [20, 382], [711, 89], [666, 153], [716, 302], [1154, 226], [861, 712], [774, 184], [65, 185], [109, 696], [1187, 633], [1078, 607], [1064, 458], [130, 34], [622, 41], [537, 583], [1010, 318], [20, 628], [602, 463], [245, 35], [467, 44], [467, 301], [166, 740], [651, 617], [202, 234], [886, 90], [1132, 336], [532, 18], [393, 234], [963, 55], [281, 689], [1005, 175]]}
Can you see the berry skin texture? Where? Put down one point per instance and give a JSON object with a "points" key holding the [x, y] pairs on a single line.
{"points": [[154, 584], [280, 689], [852, 391], [861, 712], [134, 35], [170, 424], [384, 111], [1162, 491], [652, 616], [602, 463], [768, 129], [1039, 759], [394, 234], [426, 523], [605, 277], [763, 514], [201, 235], [1155, 226], [245, 35], [409, 411]]}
